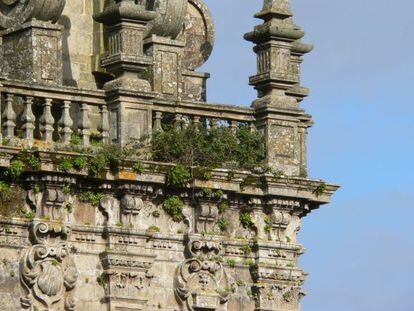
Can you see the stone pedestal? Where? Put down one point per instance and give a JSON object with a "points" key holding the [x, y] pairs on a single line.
{"points": [[32, 53], [166, 71], [131, 114]]}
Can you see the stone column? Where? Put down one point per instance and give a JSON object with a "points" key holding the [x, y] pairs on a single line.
{"points": [[277, 82]]}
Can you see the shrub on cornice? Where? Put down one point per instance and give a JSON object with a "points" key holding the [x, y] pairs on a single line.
{"points": [[173, 206], [197, 146], [178, 176]]}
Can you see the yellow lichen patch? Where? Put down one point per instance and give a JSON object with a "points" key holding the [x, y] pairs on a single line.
{"points": [[127, 175]]}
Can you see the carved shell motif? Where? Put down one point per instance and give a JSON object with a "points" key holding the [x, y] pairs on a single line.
{"points": [[16, 12]]}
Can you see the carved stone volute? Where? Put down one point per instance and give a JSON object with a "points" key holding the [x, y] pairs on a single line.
{"points": [[47, 271]]}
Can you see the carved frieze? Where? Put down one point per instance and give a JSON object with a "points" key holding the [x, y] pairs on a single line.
{"points": [[48, 273], [200, 281]]}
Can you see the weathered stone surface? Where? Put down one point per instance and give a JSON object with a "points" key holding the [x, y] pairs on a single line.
{"points": [[83, 229]]}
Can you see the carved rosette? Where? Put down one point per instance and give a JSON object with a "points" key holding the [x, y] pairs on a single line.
{"points": [[200, 281], [16, 12], [48, 273]]}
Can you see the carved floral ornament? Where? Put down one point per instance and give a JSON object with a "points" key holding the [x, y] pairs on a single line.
{"points": [[17, 12], [47, 271]]}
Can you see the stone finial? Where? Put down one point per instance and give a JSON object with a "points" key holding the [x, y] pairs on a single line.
{"points": [[275, 8], [16, 12]]}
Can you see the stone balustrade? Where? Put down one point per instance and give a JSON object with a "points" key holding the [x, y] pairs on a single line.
{"points": [[209, 115], [36, 114], [50, 116]]}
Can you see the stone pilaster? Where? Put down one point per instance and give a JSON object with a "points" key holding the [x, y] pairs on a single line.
{"points": [[277, 82]]}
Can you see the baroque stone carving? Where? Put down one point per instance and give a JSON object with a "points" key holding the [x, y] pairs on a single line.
{"points": [[126, 278], [47, 271], [169, 21], [200, 281], [15, 12], [198, 34]]}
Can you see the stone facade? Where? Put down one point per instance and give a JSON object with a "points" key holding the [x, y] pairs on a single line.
{"points": [[113, 73]]}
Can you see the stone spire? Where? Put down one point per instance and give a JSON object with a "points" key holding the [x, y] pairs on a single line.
{"points": [[279, 55]]}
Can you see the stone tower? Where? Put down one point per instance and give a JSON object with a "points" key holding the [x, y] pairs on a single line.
{"points": [[121, 187]]}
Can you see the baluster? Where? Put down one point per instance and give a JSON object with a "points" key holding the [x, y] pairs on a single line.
{"points": [[196, 122], [47, 121], [85, 124], [65, 123], [103, 127], [28, 119], [9, 116], [252, 127], [158, 121], [213, 123], [233, 125], [178, 120]]}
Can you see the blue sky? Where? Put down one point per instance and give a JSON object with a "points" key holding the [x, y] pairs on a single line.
{"points": [[360, 247]]}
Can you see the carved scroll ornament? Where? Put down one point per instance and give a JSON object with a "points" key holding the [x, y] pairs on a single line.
{"points": [[47, 271], [16, 12]]}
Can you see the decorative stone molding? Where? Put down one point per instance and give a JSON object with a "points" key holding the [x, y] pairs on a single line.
{"points": [[200, 281], [17, 12], [130, 208], [47, 271], [207, 216], [126, 279], [274, 297]]}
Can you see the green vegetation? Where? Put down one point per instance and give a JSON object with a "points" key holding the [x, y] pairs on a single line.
{"points": [[231, 263], [76, 139], [15, 169], [223, 224], [223, 207], [268, 224], [66, 190], [138, 167], [197, 146], [173, 206], [154, 228], [80, 162], [93, 198], [178, 176], [247, 249], [65, 164], [240, 283], [246, 220], [319, 190], [27, 213], [33, 162], [5, 191]]}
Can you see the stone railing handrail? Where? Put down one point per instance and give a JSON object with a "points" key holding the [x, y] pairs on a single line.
{"points": [[53, 114]]}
